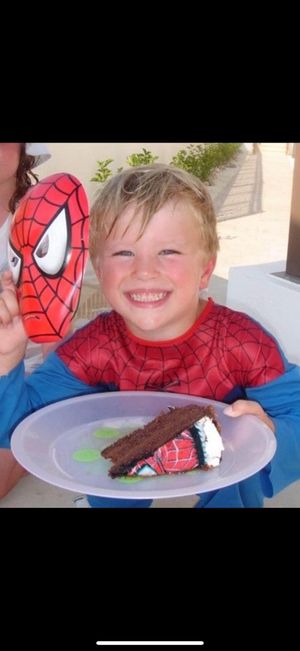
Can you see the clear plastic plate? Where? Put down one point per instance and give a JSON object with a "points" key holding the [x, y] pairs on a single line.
{"points": [[61, 444]]}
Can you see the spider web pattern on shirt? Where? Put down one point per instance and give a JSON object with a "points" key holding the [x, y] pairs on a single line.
{"points": [[219, 352]]}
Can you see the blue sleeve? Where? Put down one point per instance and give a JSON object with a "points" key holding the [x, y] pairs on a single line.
{"points": [[281, 400], [51, 382]]}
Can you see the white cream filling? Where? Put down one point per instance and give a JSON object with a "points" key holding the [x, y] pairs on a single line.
{"points": [[146, 471], [211, 441]]}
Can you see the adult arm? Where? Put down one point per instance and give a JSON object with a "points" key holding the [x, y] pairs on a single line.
{"points": [[10, 472]]}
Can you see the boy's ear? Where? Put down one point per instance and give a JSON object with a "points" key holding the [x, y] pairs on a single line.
{"points": [[207, 272]]}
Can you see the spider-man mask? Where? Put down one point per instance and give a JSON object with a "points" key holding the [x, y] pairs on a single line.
{"points": [[48, 254]]}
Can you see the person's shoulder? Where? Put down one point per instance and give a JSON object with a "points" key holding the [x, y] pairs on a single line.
{"points": [[228, 314], [233, 316], [104, 331], [249, 331], [105, 323], [239, 324]]}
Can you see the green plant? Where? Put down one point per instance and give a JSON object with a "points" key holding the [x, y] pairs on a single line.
{"points": [[201, 160], [144, 158], [103, 172]]}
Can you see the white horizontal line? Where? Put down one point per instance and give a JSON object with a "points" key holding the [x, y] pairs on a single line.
{"points": [[149, 643]]}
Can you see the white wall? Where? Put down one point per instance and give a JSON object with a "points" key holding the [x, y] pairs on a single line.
{"points": [[80, 158], [274, 301]]}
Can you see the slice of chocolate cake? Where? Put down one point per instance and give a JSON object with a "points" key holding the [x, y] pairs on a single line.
{"points": [[178, 440]]}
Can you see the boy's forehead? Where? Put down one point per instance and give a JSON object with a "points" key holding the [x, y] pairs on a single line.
{"points": [[134, 216], [129, 218], [162, 227]]}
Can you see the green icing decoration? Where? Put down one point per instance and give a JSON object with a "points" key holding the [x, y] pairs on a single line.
{"points": [[105, 432], [86, 455], [129, 480]]}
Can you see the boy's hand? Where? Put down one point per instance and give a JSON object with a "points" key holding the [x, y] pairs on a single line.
{"points": [[241, 407], [13, 338]]}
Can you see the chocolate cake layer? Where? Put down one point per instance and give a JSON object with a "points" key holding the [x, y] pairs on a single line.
{"points": [[143, 442]]}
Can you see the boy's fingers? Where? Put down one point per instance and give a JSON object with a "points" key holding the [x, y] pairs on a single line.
{"points": [[6, 279], [6, 282], [242, 407], [5, 315], [9, 306]]}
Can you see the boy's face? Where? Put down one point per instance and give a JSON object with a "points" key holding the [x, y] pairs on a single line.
{"points": [[154, 281]]}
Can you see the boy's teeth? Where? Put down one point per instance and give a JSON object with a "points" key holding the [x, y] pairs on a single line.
{"points": [[148, 297]]}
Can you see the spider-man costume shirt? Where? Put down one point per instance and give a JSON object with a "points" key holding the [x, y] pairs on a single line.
{"points": [[222, 353], [225, 355]]}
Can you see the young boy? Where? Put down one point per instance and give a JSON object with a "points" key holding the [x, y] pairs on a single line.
{"points": [[153, 244]]}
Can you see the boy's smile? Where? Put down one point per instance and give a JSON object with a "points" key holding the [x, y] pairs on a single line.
{"points": [[153, 280], [146, 299]]}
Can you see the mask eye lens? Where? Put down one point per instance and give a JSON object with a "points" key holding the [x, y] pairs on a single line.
{"points": [[15, 263], [43, 248], [51, 251]]}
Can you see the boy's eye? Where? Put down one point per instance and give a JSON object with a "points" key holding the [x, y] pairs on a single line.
{"points": [[127, 253], [169, 252], [131, 253]]}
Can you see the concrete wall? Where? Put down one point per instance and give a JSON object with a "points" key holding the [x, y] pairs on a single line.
{"points": [[271, 299], [80, 158]]}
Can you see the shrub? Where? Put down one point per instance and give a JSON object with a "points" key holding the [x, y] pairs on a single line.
{"points": [[144, 158], [201, 160], [103, 172]]}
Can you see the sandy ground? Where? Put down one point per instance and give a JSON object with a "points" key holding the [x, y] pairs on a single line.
{"points": [[252, 197]]}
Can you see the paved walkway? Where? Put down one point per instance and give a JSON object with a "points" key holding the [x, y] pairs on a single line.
{"points": [[263, 182], [252, 200]]}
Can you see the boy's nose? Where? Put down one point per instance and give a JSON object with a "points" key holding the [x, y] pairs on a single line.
{"points": [[145, 266]]}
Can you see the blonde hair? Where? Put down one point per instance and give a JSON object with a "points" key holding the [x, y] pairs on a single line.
{"points": [[147, 188]]}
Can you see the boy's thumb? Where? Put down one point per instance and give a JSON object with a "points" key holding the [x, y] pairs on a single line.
{"points": [[240, 407], [229, 411]]}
